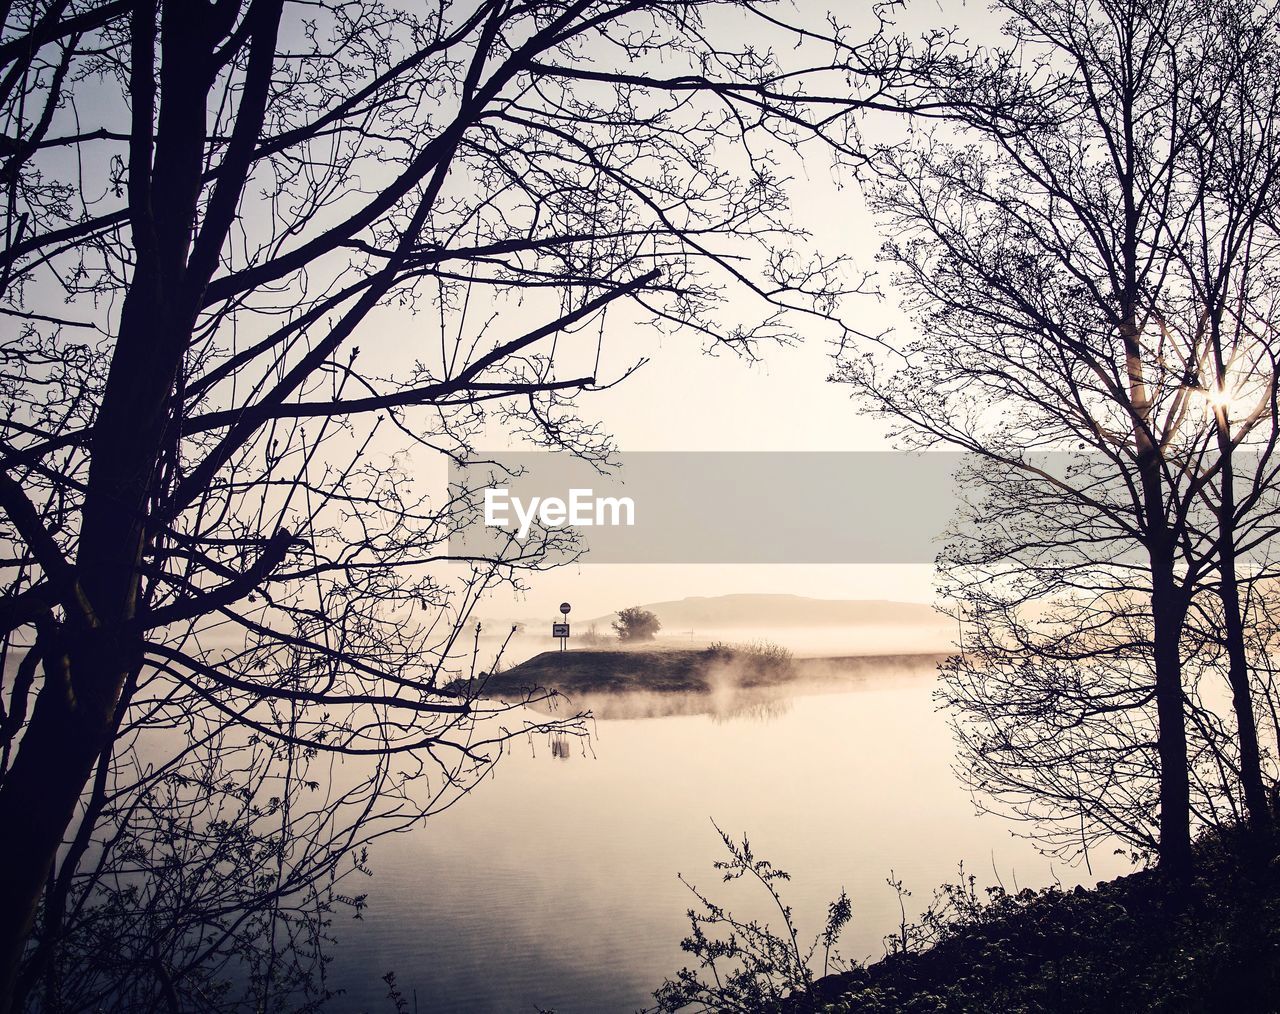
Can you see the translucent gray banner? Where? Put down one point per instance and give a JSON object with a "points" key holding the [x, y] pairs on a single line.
{"points": [[714, 507], [830, 507]]}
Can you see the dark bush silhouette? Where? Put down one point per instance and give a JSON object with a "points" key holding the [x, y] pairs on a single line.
{"points": [[636, 624]]}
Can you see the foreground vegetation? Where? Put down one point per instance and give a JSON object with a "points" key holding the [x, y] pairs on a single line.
{"points": [[1137, 943]]}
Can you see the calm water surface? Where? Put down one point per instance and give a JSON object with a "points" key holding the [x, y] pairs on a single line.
{"points": [[555, 884]]}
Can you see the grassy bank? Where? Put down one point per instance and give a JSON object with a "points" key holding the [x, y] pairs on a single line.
{"points": [[1138, 943], [1132, 944]]}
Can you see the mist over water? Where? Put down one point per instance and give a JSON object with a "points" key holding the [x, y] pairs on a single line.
{"points": [[555, 883]]}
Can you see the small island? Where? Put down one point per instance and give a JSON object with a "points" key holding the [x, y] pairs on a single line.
{"points": [[693, 679]]}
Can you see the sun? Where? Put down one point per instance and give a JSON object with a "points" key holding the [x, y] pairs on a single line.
{"points": [[1220, 397], [1235, 400]]}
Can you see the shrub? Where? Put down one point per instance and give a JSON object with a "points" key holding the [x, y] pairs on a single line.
{"points": [[636, 624], [757, 661], [746, 965]]}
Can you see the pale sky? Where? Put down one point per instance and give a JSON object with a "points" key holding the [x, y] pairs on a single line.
{"points": [[684, 399]]}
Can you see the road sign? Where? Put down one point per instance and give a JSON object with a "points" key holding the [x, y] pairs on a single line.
{"points": [[564, 608], [559, 630]]}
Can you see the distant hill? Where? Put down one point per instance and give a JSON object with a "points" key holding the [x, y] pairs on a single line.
{"points": [[763, 610], [808, 627]]}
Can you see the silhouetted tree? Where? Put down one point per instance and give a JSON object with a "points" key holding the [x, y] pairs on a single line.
{"points": [[1086, 244], [223, 564], [1052, 693]]}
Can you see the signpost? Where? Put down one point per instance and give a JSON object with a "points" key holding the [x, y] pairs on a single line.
{"points": [[561, 630]]}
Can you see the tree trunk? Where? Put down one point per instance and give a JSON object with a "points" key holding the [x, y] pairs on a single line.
{"points": [[1175, 784], [38, 800], [1168, 609], [86, 666], [1255, 793], [87, 658]]}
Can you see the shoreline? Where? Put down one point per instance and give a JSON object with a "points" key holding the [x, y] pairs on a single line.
{"points": [[690, 671]]}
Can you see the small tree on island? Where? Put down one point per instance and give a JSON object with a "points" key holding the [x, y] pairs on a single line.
{"points": [[636, 624]]}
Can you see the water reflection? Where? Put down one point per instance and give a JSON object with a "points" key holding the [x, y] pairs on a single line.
{"points": [[555, 883], [731, 693], [729, 704]]}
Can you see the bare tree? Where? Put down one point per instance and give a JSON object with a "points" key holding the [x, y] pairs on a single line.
{"points": [[1065, 244], [1232, 343], [1053, 692], [223, 563]]}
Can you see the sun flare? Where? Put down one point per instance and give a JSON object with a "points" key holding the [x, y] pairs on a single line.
{"points": [[1235, 400]]}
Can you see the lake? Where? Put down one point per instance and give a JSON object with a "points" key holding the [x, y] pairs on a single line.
{"points": [[555, 885]]}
